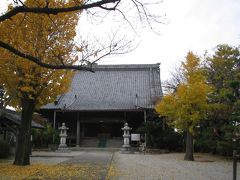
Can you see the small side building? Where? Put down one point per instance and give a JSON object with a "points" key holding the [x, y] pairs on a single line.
{"points": [[10, 121], [97, 104]]}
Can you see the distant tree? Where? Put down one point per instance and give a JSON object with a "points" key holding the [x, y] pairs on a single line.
{"points": [[187, 106], [45, 37]]}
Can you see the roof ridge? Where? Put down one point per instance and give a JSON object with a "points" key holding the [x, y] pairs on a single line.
{"points": [[124, 66]]}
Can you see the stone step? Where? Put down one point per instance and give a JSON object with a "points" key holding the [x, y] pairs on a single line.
{"points": [[114, 143], [95, 142], [93, 149]]}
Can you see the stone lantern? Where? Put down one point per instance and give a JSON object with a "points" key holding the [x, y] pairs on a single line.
{"points": [[126, 138], [63, 136]]}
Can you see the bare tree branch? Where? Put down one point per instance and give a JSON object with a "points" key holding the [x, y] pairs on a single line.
{"points": [[96, 52], [39, 61], [94, 49], [54, 11], [173, 83]]}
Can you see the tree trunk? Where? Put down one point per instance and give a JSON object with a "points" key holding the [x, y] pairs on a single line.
{"points": [[22, 155], [189, 147]]}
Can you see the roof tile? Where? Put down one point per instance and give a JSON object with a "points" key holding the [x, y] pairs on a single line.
{"points": [[112, 87]]}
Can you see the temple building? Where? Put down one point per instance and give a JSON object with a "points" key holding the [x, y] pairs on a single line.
{"points": [[97, 104]]}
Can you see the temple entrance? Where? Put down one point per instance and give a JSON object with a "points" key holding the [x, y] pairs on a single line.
{"points": [[101, 134], [96, 129]]}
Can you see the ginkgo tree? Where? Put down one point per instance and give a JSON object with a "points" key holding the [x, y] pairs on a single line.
{"points": [[30, 85], [41, 33], [188, 105]]}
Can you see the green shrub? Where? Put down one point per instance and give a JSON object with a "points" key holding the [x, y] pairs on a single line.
{"points": [[42, 138], [159, 134], [225, 148], [217, 142], [4, 149], [206, 141]]}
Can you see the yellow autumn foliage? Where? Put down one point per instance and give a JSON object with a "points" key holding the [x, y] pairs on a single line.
{"points": [[59, 171], [48, 37], [188, 105]]}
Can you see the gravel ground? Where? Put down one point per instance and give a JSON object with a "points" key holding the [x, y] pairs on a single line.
{"points": [[56, 154], [92, 157], [117, 166], [52, 158], [171, 167], [48, 160], [97, 162]]}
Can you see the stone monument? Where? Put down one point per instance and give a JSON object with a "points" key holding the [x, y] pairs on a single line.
{"points": [[126, 147], [63, 137]]}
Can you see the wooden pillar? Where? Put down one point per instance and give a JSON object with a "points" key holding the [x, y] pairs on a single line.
{"points": [[145, 120], [78, 131], [235, 158], [54, 126], [125, 117], [83, 130], [54, 119]]}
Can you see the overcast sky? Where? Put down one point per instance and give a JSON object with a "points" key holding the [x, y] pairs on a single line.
{"points": [[195, 25]]}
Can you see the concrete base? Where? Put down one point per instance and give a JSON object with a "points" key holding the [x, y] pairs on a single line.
{"points": [[62, 146], [127, 146]]}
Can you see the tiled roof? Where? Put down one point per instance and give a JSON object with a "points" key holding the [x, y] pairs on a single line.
{"points": [[112, 87], [15, 118]]}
